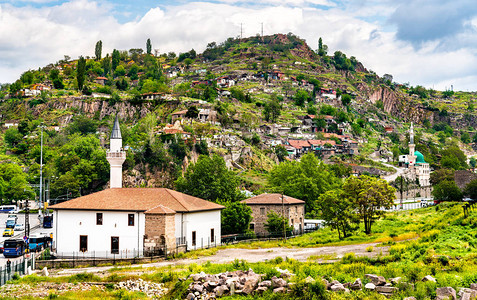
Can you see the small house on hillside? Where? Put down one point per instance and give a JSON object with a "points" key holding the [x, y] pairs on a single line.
{"points": [[101, 80], [135, 220], [293, 209]]}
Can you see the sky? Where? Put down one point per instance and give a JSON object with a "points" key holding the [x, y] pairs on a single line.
{"points": [[432, 43]]}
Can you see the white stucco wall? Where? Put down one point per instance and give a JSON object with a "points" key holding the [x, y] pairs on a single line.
{"points": [[69, 225], [201, 223]]}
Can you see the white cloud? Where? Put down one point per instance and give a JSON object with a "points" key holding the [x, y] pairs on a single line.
{"points": [[33, 37]]}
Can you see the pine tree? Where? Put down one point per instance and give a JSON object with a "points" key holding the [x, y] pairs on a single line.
{"points": [[80, 71], [98, 49], [148, 46]]}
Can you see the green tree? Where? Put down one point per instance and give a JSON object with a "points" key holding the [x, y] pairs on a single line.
{"points": [[276, 223], [281, 152], [106, 64], [305, 180], [235, 217], [12, 137], [322, 49], [453, 157], [368, 195], [13, 184], [337, 211], [210, 179], [345, 99], [447, 190], [83, 159], [148, 46], [301, 97], [192, 112], [80, 72], [471, 189], [83, 125], [441, 175], [98, 49], [272, 110], [465, 137], [132, 74], [474, 138], [472, 162], [119, 71], [115, 59]]}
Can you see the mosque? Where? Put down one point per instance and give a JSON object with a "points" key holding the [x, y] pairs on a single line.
{"points": [[415, 163]]}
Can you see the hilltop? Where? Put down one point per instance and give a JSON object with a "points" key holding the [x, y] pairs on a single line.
{"points": [[241, 99]]}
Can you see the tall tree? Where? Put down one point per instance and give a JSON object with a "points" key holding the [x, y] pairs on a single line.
{"points": [[235, 217], [148, 46], [447, 190], [305, 180], [98, 49], [471, 189], [80, 72], [272, 110], [368, 195], [106, 64], [115, 59], [210, 179], [337, 211]]}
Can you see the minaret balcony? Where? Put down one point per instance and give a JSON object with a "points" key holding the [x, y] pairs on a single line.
{"points": [[119, 154]]}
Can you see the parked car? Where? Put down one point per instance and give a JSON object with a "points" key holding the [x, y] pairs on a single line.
{"points": [[8, 232], [1, 247], [19, 227]]}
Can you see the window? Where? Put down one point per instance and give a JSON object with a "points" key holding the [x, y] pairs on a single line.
{"points": [[262, 211], [252, 226], [212, 235], [83, 243], [194, 238], [115, 245], [99, 218], [130, 219]]}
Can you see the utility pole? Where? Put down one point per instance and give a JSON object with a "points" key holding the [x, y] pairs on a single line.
{"points": [[262, 31], [241, 31], [284, 223], [41, 167]]}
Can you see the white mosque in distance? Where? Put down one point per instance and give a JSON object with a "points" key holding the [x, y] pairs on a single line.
{"points": [[415, 163]]}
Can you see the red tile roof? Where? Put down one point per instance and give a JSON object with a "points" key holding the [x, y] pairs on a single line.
{"points": [[272, 199], [322, 142], [298, 144], [149, 200]]}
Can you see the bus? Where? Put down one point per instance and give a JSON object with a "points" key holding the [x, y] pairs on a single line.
{"points": [[48, 221], [8, 208], [14, 247], [37, 242]]}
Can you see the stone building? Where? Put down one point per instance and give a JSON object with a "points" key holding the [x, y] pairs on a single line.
{"points": [[293, 209]]}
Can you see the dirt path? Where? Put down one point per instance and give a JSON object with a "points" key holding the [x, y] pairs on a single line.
{"points": [[320, 255]]}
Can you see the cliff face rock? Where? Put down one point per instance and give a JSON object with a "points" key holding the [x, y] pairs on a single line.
{"points": [[399, 105], [92, 107]]}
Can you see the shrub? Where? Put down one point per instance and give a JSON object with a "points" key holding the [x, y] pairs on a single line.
{"points": [[369, 249]]}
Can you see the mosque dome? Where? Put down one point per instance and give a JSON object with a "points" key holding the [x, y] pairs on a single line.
{"points": [[419, 157]]}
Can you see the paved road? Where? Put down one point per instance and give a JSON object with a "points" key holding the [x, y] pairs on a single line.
{"points": [[34, 222], [393, 176], [318, 254]]}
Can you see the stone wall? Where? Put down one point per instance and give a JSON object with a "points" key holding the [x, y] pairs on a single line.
{"points": [[160, 231], [294, 213]]}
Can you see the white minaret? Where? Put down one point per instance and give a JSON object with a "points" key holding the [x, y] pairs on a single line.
{"points": [[411, 157], [116, 156]]}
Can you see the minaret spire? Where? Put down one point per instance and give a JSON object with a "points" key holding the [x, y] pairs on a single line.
{"points": [[412, 147], [116, 156]]}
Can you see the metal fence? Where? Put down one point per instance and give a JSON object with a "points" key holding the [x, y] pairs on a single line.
{"points": [[18, 267]]}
